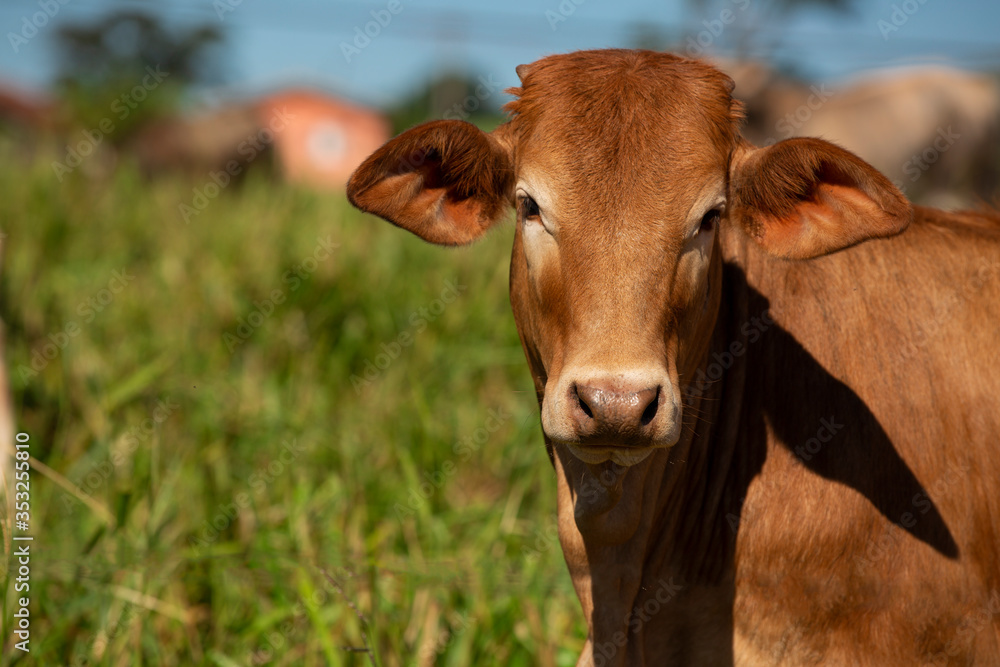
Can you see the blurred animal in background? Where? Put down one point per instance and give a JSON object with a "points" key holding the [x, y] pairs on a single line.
{"points": [[200, 142], [308, 137], [934, 130]]}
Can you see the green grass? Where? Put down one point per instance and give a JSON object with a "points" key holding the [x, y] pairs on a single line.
{"points": [[154, 429]]}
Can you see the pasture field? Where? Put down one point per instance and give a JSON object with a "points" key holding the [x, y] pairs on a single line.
{"points": [[213, 488]]}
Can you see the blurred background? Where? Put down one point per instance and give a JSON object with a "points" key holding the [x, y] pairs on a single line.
{"points": [[266, 429]]}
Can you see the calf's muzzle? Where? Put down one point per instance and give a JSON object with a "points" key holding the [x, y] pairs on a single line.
{"points": [[617, 416], [606, 412]]}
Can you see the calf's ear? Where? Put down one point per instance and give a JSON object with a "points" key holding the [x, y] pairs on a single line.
{"points": [[803, 198], [446, 181]]}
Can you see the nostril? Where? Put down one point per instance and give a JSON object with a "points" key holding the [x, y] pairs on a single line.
{"points": [[650, 411], [583, 404]]}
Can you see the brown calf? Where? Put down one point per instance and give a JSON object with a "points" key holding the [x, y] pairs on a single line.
{"points": [[760, 460]]}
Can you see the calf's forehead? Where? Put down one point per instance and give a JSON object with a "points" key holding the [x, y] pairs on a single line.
{"points": [[641, 125]]}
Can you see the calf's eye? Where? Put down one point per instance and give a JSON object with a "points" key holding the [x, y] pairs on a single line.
{"points": [[710, 220], [529, 209]]}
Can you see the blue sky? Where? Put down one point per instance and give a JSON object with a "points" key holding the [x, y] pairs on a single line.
{"points": [[272, 44]]}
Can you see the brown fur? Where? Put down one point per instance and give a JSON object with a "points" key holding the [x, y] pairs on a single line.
{"points": [[821, 402]]}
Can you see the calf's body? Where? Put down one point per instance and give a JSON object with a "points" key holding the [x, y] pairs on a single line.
{"points": [[771, 414], [833, 498]]}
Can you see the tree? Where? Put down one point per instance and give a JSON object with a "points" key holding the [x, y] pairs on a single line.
{"points": [[128, 67], [454, 96]]}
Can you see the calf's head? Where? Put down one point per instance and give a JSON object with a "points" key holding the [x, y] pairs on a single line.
{"points": [[621, 167]]}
